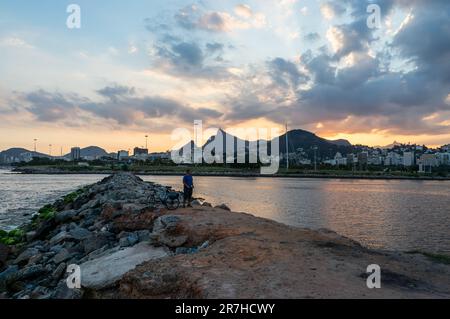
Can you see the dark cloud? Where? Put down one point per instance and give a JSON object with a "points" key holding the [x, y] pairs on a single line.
{"points": [[115, 91], [120, 104], [285, 73], [49, 107]]}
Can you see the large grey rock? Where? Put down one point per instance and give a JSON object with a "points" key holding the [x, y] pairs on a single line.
{"points": [[60, 237], [26, 255], [65, 216], [63, 255], [8, 276], [96, 241], [80, 233], [64, 292], [31, 272], [166, 222], [105, 271]]}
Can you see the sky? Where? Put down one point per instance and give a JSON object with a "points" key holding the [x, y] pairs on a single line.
{"points": [[140, 67]]}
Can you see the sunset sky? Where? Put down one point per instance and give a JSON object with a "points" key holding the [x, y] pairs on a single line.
{"points": [[147, 67]]}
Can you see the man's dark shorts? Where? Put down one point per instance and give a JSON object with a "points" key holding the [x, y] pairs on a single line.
{"points": [[187, 193]]}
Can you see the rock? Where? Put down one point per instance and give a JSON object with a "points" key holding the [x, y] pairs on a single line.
{"points": [[35, 259], [223, 206], [206, 204], [80, 233], [26, 255], [8, 276], [172, 241], [96, 241], [105, 271], [196, 202], [129, 240], [40, 293], [45, 228], [65, 216], [30, 235], [134, 222], [59, 271], [64, 292], [63, 255], [4, 253], [166, 222], [144, 235], [60, 237], [31, 272]]}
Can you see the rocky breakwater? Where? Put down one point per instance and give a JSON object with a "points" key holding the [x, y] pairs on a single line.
{"points": [[128, 245]]}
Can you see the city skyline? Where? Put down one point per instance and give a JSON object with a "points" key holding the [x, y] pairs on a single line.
{"points": [[314, 64]]}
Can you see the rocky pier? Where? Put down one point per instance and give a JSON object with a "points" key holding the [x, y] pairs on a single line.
{"points": [[128, 245]]}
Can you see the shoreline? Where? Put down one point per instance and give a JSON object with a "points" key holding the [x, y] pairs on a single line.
{"points": [[128, 245], [27, 171]]}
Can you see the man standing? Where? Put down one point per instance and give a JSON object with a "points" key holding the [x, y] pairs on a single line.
{"points": [[188, 183]]}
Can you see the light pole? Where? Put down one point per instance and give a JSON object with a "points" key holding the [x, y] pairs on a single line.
{"points": [[35, 140], [315, 158], [146, 138], [287, 148]]}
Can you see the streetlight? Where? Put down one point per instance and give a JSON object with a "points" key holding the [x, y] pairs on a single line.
{"points": [[315, 157], [146, 145]]}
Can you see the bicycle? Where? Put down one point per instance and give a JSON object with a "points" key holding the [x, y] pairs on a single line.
{"points": [[171, 200]]}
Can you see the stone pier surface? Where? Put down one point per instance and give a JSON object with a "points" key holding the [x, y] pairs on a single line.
{"points": [[128, 245]]}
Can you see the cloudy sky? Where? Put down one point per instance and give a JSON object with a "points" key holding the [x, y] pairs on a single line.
{"points": [[146, 67]]}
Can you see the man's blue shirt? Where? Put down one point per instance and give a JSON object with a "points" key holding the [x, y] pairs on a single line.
{"points": [[188, 180]]}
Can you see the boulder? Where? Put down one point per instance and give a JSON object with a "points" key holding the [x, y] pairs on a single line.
{"points": [[31, 272], [105, 271], [63, 255], [8, 276], [59, 271], [64, 292], [25, 256], [129, 240], [166, 222], [80, 233], [60, 237], [96, 241], [65, 216]]}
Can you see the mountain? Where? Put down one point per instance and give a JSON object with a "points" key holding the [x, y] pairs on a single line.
{"points": [[14, 154], [307, 141], [341, 142], [299, 140], [91, 152]]}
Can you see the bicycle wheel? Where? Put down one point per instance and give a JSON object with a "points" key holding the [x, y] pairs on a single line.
{"points": [[172, 204]]}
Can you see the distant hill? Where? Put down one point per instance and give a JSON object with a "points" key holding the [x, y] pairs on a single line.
{"points": [[298, 139], [301, 139], [5, 156], [91, 151], [341, 142]]}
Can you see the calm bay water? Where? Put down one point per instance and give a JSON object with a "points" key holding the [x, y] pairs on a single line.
{"points": [[394, 215]]}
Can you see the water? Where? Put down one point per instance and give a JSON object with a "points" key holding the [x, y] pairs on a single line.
{"points": [[393, 215], [21, 195]]}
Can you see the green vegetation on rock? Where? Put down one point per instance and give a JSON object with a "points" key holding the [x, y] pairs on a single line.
{"points": [[47, 212], [13, 237]]}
